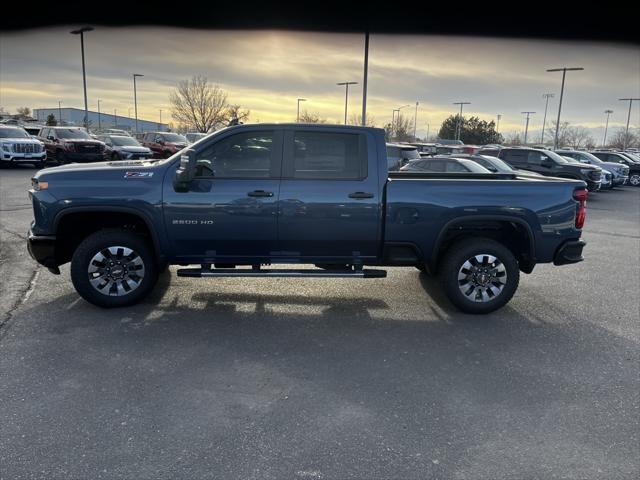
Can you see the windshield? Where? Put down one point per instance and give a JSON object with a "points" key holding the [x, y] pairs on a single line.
{"points": [[13, 133], [174, 137], [124, 141], [632, 156], [498, 164], [569, 159], [554, 156], [72, 133], [473, 166]]}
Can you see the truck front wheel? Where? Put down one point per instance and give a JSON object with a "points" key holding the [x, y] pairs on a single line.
{"points": [[479, 275], [113, 268]]}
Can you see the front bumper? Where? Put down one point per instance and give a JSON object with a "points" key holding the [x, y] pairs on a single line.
{"points": [[592, 185], [21, 157], [620, 180], [42, 249], [569, 252]]}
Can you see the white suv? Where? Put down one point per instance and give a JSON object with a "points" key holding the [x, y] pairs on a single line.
{"points": [[17, 146]]}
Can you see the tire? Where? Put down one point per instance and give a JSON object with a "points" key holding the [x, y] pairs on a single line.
{"points": [[61, 158], [39, 165], [101, 251], [487, 292], [634, 180]]}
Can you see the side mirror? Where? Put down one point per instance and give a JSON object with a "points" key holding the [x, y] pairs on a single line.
{"points": [[186, 171]]}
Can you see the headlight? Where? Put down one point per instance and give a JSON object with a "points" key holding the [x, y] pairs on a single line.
{"points": [[6, 147], [38, 185], [70, 146], [587, 172]]}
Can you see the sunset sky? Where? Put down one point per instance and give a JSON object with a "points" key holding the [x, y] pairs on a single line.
{"points": [[266, 71]]}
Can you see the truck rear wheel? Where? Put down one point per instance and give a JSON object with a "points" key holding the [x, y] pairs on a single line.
{"points": [[113, 268], [479, 275]]}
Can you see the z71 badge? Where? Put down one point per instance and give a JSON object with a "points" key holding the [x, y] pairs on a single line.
{"points": [[138, 174]]}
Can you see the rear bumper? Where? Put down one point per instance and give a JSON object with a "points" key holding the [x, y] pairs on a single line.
{"points": [[569, 252], [42, 249]]}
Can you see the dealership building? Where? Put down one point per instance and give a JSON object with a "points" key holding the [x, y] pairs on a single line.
{"points": [[98, 120]]}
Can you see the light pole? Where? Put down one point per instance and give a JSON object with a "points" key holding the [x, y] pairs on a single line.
{"points": [[498, 123], [135, 97], [160, 124], [606, 127], [459, 124], [60, 111], [364, 79], [129, 112], [99, 119], [80, 32], [395, 120], [626, 133], [427, 132], [564, 71], [346, 96], [298, 114], [547, 96], [526, 128], [415, 122], [115, 118]]}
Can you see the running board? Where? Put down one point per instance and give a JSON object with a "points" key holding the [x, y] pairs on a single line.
{"points": [[232, 272]]}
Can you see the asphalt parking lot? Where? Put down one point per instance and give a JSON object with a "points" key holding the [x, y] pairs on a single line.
{"points": [[317, 378]]}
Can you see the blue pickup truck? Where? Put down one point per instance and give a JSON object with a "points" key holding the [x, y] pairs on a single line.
{"points": [[249, 196]]}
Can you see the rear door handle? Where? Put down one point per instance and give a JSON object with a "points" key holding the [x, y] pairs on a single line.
{"points": [[260, 193], [361, 195]]}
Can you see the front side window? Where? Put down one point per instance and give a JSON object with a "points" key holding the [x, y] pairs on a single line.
{"points": [[433, 166], [244, 155], [536, 158], [514, 156], [328, 155], [455, 167]]}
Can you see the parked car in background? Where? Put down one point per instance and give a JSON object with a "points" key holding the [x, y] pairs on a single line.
{"points": [[71, 144], [444, 165], [17, 146], [399, 154], [632, 156], [495, 165], [445, 141], [120, 147], [606, 181], [617, 157], [449, 150], [550, 164], [490, 150], [164, 144], [618, 171], [115, 131], [425, 148], [194, 136]]}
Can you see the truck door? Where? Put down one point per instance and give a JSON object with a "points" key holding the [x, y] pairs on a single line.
{"points": [[229, 210], [329, 204]]}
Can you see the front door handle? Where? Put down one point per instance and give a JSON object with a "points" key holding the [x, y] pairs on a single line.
{"points": [[361, 195], [260, 193]]}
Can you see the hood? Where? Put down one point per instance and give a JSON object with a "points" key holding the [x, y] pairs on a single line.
{"points": [[94, 167], [582, 166], [83, 140], [21, 140], [132, 148], [612, 165]]}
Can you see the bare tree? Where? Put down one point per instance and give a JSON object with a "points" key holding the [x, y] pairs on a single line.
{"points": [[577, 137], [356, 119], [402, 128], [200, 105], [617, 140], [24, 111], [550, 133], [306, 117], [513, 139], [236, 112]]}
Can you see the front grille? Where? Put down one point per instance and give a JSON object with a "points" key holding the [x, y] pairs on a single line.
{"points": [[88, 148], [26, 148]]}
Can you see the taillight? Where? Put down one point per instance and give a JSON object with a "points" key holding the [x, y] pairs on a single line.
{"points": [[580, 194]]}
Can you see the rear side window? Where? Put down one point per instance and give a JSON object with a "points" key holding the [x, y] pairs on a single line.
{"points": [[456, 167], [514, 156], [329, 155], [433, 165]]}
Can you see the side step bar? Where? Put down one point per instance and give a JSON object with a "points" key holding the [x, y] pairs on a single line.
{"points": [[245, 272]]}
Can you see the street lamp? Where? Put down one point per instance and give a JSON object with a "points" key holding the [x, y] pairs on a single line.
{"points": [[606, 127], [526, 128], [298, 114], [346, 96], [80, 32], [459, 125], [498, 123], [564, 71], [394, 121], [160, 124], [60, 111], [115, 118], [135, 97], [626, 133], [547, 96], [415, 122], [99, 119]]}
